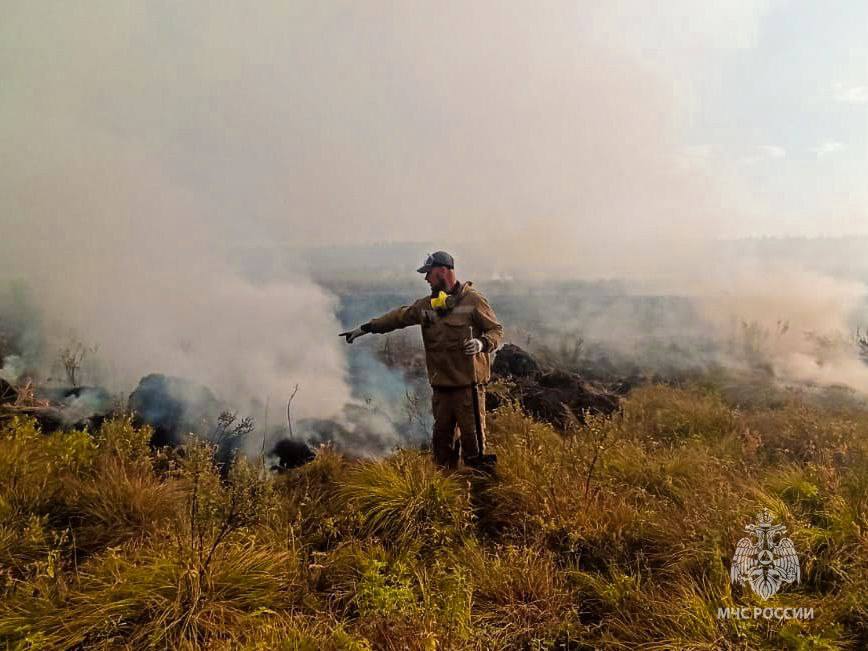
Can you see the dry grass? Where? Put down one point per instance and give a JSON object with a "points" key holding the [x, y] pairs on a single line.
{"points": [[616, 535]]}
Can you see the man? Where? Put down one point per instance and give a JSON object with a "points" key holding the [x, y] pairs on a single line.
{"points": [[460, 332]]}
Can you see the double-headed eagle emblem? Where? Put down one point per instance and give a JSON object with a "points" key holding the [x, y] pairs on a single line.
{"points": [[768, 563]]}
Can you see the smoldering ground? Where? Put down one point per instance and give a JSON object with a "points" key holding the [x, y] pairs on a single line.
{"points": [[142, 143]]}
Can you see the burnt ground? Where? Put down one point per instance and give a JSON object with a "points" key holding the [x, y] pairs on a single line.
{"points": [[555, 395]]}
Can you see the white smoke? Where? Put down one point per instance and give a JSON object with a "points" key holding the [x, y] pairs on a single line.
{"points": [[116, 248], [141, 141], [802, 321]]}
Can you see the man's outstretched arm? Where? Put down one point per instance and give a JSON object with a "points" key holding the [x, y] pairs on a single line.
{"points": [[400, 317]]}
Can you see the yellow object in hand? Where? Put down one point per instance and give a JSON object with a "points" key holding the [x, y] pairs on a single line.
{"points": [[439, 302]]}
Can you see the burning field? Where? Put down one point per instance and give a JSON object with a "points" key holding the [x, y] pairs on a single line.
{"points": [[663, 205], [183, 499], [167, 519]]}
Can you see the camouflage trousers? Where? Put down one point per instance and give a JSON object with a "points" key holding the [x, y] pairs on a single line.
{"points": [[455, 425]]}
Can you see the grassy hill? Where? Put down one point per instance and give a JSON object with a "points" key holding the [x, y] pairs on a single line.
{"points": [[615, 534]]}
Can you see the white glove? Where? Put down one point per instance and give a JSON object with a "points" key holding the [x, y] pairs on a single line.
{"points": [[472, 347], [352, 335]]}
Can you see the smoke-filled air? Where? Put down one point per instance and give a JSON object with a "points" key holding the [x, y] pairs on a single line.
{"points": [[172, 176], [433, 325]]}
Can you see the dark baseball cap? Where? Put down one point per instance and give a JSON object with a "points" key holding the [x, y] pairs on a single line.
{"points": [[437, 259]]}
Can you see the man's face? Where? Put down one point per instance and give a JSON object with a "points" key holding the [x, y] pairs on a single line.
{"points": [[435, 279]]}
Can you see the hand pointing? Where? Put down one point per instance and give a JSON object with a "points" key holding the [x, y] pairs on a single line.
{"points": [[352, 335]]}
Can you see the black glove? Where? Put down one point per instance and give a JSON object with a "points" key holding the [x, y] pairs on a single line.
{"points": [[352, 335]]}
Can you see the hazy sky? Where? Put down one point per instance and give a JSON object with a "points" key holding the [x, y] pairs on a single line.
{"points": [[365, 121], [788, 114], [770, 95]]}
